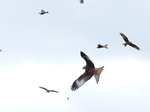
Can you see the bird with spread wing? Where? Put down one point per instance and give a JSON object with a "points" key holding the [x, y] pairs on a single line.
{"points": [[43, 12], [102, 46], [49, 90], [128, 42], [90, 70]]}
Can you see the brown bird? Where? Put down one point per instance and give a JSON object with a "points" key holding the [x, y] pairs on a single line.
{"points": [[43, 12], [128, 42], [90, 70], [49, 90], [81, 1], [102, 46]]}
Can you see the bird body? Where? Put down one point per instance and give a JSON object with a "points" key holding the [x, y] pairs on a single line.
{"points": [[90, 70], [128, 42], [102, 46]]}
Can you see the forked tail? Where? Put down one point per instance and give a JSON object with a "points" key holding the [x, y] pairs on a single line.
{"points": [[97, 73], [106, 46]]}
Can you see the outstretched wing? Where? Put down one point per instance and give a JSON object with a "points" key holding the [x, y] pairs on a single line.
{"points": [[124, 37], [43, 88], [81, 80], [89, 63], [53, 91], [81, 1], [134, 46]]}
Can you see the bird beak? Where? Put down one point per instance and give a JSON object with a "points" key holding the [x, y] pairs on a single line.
{"points": [[83, 67]]}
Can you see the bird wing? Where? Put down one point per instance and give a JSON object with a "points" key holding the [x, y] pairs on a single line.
{"points": [[134, 46], [43, 88], [53, 91], [89, 63], [81, 80], [124, 37]]}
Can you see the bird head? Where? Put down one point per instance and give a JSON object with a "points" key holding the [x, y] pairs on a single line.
{"points": [[84, 67], [125, 44]]}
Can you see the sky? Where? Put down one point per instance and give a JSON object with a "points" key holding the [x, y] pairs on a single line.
{"points": [[44, 50]]}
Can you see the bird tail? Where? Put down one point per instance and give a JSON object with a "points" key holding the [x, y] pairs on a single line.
{"points": [[97, 73], [47, 12], [106, 46]]}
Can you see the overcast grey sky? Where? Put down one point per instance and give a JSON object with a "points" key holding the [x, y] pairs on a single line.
{"points": [[44, 50]]}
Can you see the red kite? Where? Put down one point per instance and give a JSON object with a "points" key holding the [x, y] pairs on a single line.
{"points": [[102, 46], [43, 12], [49, 90], [128, 42], [90, 70]]}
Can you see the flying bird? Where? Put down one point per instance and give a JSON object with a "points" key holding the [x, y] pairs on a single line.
{"points": [[49, 90], [128, 42], [81, 1], [1, 50], [102, 46], [90, 70], [43, 12], [67, 98]]}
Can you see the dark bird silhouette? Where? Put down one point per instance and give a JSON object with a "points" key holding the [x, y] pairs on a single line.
{"points": [[102, 46], [43, 12], [90, 70], [1, 50], [128, 42], [81, 1], [67, 98], [49, 90]]}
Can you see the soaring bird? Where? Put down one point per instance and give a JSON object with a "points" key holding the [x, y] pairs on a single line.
{"points": [[90, 70], [81, 1], [102, 46], [43, 12], [49, 90], [128, 42]]}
